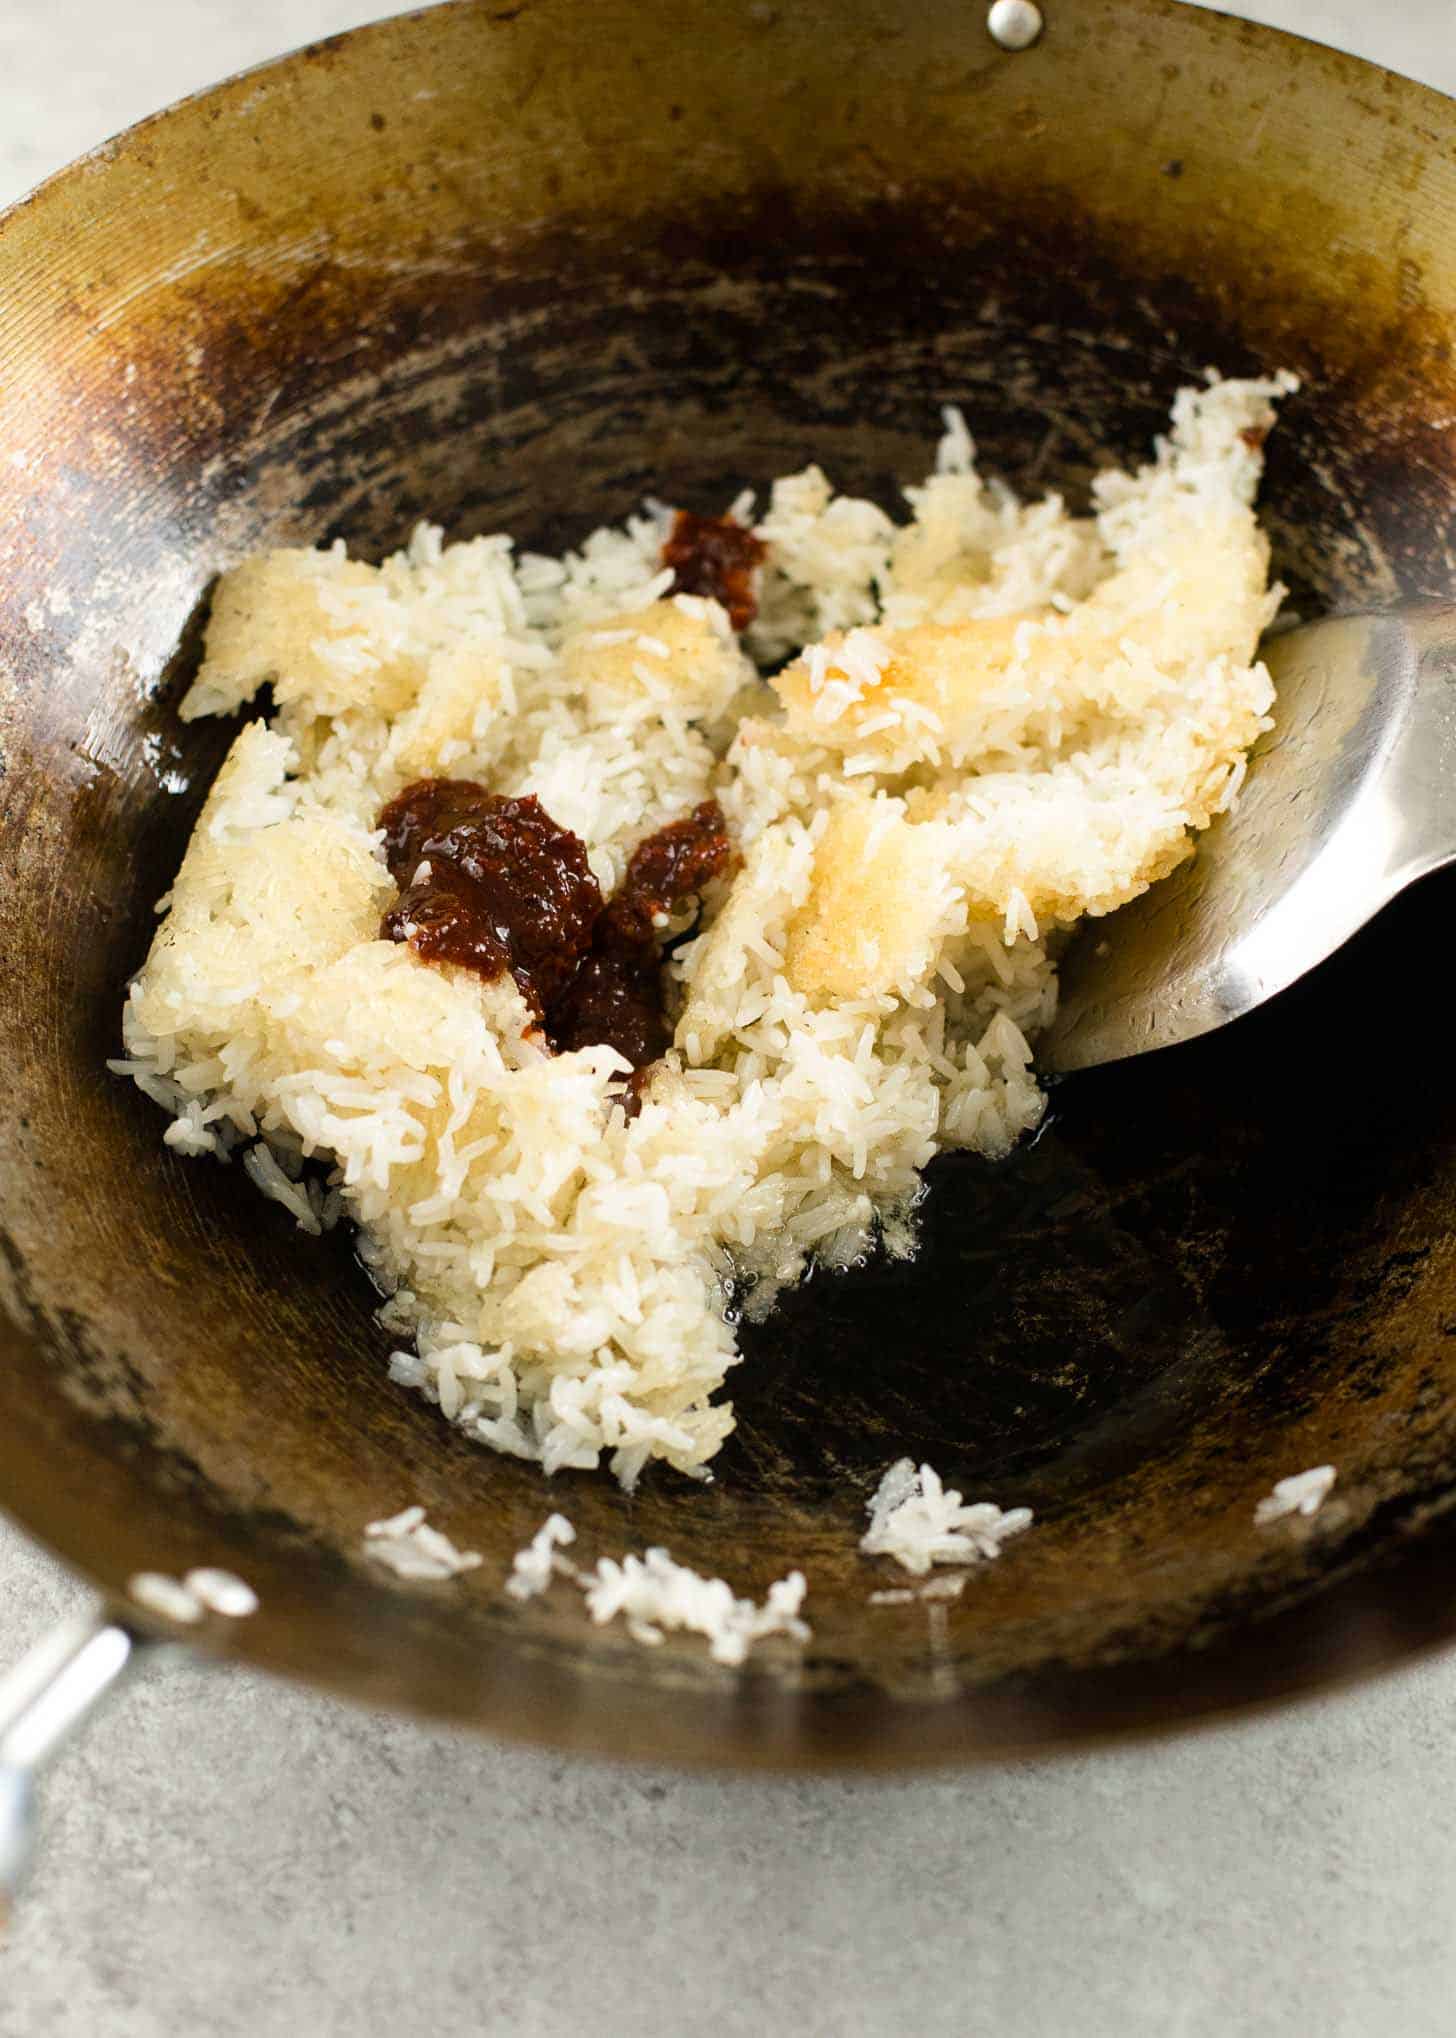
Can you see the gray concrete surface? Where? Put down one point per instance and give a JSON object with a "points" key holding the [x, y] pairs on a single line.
{"points": [[224, 1855]]}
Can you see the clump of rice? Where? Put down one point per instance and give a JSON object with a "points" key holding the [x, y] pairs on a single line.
{"points": [[654, 1593], [406, 1544], [997, 717], [919, 1521], [1302, 1493]]}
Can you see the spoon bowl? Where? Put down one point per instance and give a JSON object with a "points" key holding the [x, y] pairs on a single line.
{"points": [[1348, 800]]}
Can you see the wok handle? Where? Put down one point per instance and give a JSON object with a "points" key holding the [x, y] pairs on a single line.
{"points": [[42, 1701]]}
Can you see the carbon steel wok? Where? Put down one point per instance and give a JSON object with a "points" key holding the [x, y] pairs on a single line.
{"points": [[512, 266]]}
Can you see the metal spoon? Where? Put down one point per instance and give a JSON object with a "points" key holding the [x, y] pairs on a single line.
{"points": [[1349, 798]]}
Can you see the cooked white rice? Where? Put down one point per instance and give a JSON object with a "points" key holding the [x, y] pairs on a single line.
{"points": [[222, 1592], [998, 717], [919, 1521], [406, 1544], [204, 1590], [167, 1597], [538, 1563], [654, 1593], [1302, 1493]]}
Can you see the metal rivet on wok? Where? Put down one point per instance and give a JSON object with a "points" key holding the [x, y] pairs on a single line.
{"points": [[1015, 24]]}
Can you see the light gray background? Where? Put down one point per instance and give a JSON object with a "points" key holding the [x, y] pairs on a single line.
{"points": [[225, 1855]]}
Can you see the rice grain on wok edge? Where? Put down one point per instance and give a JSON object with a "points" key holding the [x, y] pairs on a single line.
{"points": [[995, 718]]}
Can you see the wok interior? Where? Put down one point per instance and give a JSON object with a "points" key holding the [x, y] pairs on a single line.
{"points": [[1209, 1271]]}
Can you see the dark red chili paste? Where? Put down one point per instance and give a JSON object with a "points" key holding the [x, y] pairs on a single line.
{"points": [[493, 884], [715, 556]]}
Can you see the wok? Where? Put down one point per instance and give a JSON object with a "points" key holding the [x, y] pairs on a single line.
{"points": [[511, 266]]}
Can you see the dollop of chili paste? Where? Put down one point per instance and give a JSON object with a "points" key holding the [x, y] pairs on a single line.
{"points": [[715, 556], [616, 995], [494, 884], [490, 883]]}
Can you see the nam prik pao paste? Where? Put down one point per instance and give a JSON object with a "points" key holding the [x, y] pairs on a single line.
{"points": [[493, 884]]}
